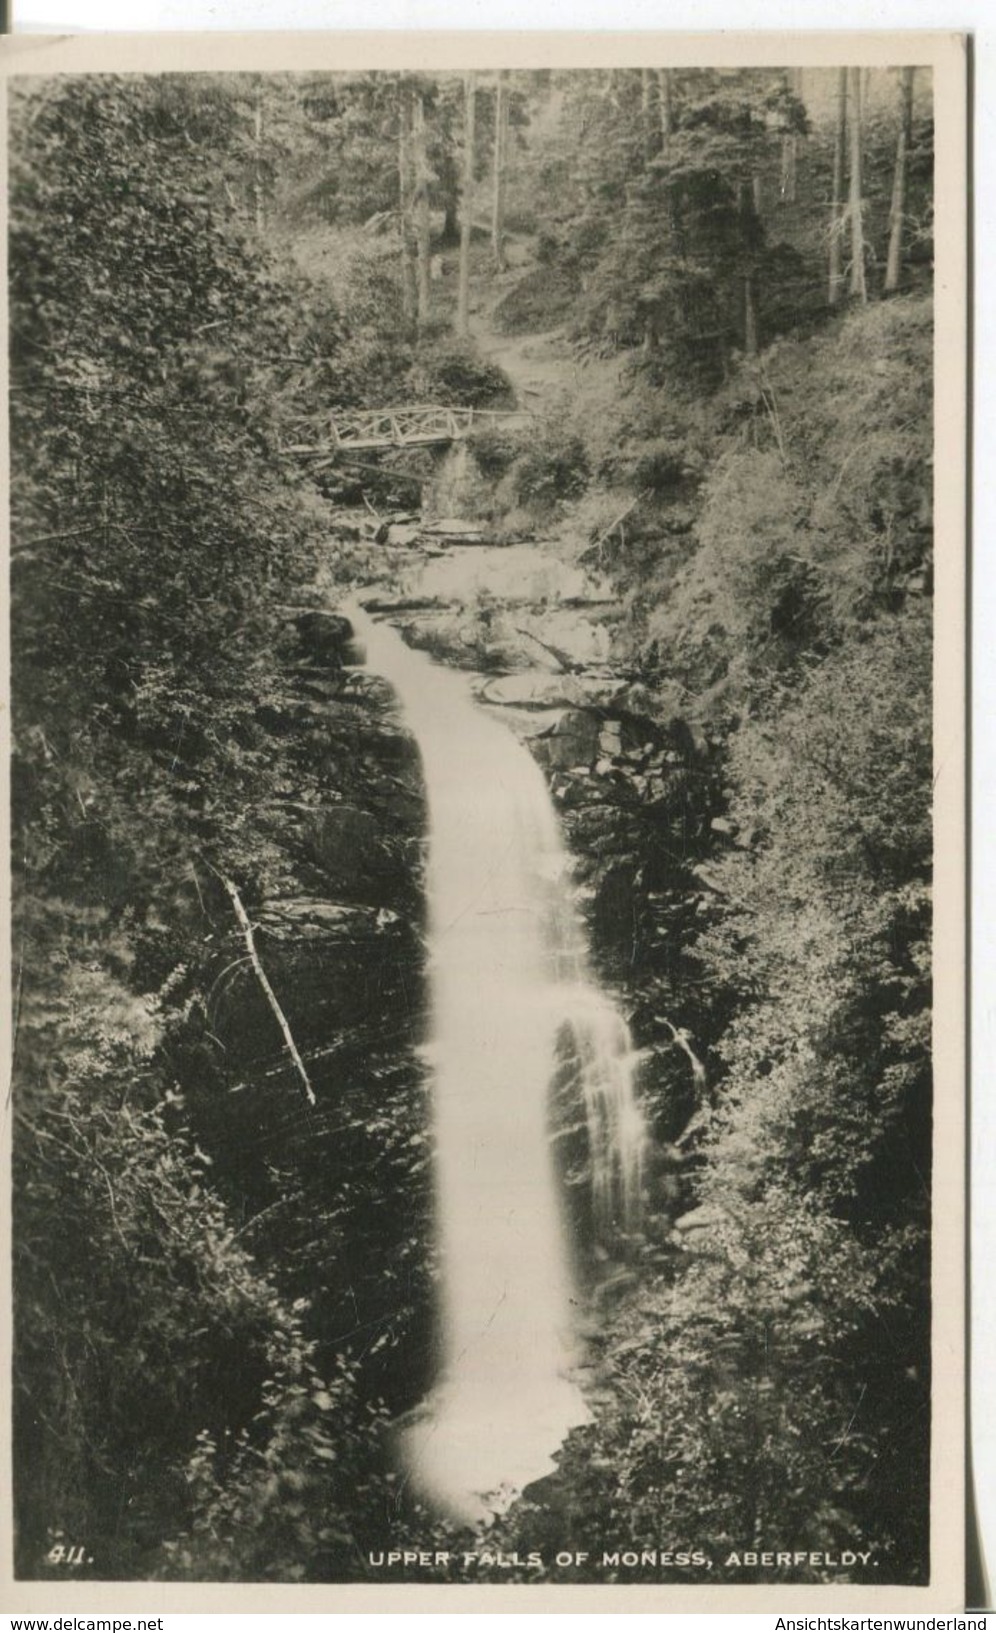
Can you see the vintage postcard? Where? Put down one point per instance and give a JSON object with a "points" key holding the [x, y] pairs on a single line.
{"points": [[486, 583]]}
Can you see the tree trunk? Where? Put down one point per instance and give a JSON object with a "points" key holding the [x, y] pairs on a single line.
{"points": [[501, 142], [259, 210], [466, 206], [651, 146], [746, 199], [421, 211], [897, 212], [790, 143], [790, 149], [651, 132], [405, 190], [665, 109], [666, 93], [836, 285], [750, 317], [854, 206]]}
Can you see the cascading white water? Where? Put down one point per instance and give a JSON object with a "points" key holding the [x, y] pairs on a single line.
{"points": [[507, 971]]}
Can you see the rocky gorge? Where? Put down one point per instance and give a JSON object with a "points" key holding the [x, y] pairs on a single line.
{"points": [[657, 623]]}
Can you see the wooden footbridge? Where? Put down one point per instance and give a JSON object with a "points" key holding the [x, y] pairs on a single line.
{"points": [[419, 425]]}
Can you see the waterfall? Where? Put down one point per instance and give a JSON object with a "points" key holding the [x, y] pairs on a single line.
{"points": [[457, 486], [508, 973]]}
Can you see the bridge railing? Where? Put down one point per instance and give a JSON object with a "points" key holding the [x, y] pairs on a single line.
{"points": [[414, 423], [411, 425]]}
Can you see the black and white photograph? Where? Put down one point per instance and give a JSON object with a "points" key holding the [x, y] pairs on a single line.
{"points": [[479, 719]]}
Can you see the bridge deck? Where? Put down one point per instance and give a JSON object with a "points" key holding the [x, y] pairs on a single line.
{"points": [[413, 426]]}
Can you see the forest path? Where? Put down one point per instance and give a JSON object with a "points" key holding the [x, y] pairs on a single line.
{"points": [[540, 363], [540, 366], [551, 378]]}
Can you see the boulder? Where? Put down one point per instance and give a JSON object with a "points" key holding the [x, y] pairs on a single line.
{"points": [[453, 527], [610, 738], [573, 641], [325, 637], [545, 691], [405, 534], [695, 1231], [512, 576]]}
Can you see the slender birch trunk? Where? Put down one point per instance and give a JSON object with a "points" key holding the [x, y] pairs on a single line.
{"points": [[665, 108], [651, 133], [836, 284], [746, 197], [501, 143], [858, 287], [666, 93], [405, 191], [790, 143], [259, 209], [421, 202], [466, 206], [897, 211]]}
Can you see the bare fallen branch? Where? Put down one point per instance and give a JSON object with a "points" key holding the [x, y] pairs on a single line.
{"points": [[247, 930]]}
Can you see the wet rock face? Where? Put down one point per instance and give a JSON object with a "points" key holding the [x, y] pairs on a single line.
{"points": [[306, 918], [636, 799], [348, 845], [572, 740], [520, 575], [337, 913]]}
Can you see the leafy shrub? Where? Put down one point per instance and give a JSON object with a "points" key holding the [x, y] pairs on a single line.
{"points": [[665, 468], [543, 299], [724, 1404], [549, 248], [302, 1487], [457, 375], [163, 1329], [519, 218], [496, 450], [555, 468]]}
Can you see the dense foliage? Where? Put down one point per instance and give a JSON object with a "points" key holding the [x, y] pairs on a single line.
{"points": [[157, 536], [224, 1264]]}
